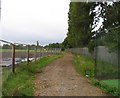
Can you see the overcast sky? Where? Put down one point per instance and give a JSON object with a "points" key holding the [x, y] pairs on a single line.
{"points": [[27, 21]]}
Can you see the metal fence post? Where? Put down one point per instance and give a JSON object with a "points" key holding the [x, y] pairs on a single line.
{"points": [[95, 57], [13, 58]]}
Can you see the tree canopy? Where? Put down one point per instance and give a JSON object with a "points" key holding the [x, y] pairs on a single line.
{"points": [[83, 17]]}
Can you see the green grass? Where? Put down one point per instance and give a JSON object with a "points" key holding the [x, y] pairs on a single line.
{"points": [[85, 66], [20, 83], [106, 86], [5, 73], [110, 70], [113, 83]]}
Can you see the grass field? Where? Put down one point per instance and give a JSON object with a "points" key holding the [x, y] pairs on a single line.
{"points": [[85, 66], [20, 83]]}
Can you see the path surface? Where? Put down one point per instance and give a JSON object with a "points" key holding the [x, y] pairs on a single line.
{"points": [[61, 79]]}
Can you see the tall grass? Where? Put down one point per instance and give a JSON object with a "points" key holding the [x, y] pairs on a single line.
{"points": [[20, 83], [84, 65]]}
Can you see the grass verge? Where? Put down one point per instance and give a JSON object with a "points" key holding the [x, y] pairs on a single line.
{"points": [[85, 66], [20, 83]]}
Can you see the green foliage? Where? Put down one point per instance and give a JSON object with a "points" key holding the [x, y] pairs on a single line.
{"points": [[6, 46], [84, 65], [112, 20], [110, 70], [78, 25], [112, 40], [19, 47], [20, 83], [113, 83], [105, 86], [91, 46], [81, 21], [54, 45]]}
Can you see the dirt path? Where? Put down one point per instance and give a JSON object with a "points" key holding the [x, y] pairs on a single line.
{"points": [[61, 79]]}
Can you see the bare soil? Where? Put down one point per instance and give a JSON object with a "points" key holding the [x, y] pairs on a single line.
{"points": [[60, 78]]}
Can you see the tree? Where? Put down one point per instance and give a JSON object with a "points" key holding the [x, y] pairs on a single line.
{"points": [[79, 22], [6, 46], [112, 27]]}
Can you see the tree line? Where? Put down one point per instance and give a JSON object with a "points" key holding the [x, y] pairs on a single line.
{"points": [[22, 47], [83, 18]]}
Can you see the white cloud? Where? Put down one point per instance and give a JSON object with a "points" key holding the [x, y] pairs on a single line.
{"points": [[34, 20]]}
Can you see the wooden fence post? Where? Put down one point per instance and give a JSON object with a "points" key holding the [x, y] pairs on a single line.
{"points": [[35, 52], [37, 49], [42, 52], [27, 54], [13, 58]]}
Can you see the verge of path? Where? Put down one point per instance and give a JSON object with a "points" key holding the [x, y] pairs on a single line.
{"points": [[60, 78]]}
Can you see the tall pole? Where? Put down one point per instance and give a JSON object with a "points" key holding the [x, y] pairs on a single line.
{"points": [[118, 55], [95, 57]]}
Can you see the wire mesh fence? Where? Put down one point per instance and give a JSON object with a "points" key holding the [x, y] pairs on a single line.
{"points": [[82, 51], [106, 54], [23, 53]]}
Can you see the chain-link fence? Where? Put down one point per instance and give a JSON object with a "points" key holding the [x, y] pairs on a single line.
{"points": [[82, 51], [107, 54]]}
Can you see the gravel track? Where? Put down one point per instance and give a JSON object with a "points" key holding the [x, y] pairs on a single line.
{"points": [[60, 78]]}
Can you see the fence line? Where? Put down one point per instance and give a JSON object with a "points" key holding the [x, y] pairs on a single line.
{"points": [[102, 54], [81, 51], [42, 52]]}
